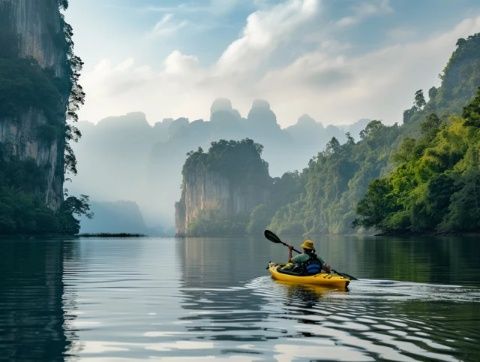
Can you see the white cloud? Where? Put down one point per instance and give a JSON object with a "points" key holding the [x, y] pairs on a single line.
{"points": [[166, 26], [264, 32], [178, 65], [213, 7], [323, 82], [378, 85], [363, 10]]}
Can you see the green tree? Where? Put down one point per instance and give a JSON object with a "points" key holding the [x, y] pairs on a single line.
{"points": [[420, 99], [436, 184]]}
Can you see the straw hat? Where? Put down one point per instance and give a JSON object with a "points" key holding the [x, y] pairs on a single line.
{"points": [[307, 244]]}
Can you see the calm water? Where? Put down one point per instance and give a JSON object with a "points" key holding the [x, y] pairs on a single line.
{"points": [[211, 299]]}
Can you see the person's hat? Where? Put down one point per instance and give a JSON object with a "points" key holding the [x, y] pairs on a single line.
{"points": [[307, 244]]}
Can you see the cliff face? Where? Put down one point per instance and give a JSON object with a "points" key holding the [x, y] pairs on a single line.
{"points": [[33, 29], [212, 192], [39, 29], [219, 193]]}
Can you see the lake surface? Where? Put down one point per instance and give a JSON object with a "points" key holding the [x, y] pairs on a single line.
{"points": [[211, 299]]}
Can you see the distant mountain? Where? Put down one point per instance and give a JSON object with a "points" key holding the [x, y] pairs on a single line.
{"points": [[125, 158], [114, 217]]}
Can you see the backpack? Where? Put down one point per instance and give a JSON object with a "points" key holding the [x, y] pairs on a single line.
{"points": [[313, 266]]}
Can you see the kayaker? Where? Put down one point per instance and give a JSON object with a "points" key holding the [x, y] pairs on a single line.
{"points": [[307, 263]]}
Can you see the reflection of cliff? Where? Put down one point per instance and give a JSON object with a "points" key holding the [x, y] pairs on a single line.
{"points": [[215, 272], [220, 188], [32, 313]]}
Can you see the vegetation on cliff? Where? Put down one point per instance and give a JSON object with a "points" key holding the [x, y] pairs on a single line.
{"points": [[238, 166], [422, 176], [434, 163], [235, 160], [338, 178], [435, 186], [27, 87], [22, 207], [333, 182]]}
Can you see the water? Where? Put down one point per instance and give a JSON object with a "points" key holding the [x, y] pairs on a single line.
{"points": [[211, 299]]}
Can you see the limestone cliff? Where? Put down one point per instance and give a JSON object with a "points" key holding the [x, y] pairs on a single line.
{"points": [[33, 38], [37, 28], [221, 188]]}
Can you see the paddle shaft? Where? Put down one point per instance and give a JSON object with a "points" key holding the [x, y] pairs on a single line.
{"points": [[281, 242]]}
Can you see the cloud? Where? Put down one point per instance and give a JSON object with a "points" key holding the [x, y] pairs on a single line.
{"points": [[379, 84], [212, 7], [363, 10], [326, 81], [166, 26], [264, 32]]}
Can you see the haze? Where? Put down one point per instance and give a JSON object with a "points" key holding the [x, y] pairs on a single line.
{"points": [[157, 66]]}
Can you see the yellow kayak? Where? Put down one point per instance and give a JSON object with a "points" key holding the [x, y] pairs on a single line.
{"points": [[323, 279]]}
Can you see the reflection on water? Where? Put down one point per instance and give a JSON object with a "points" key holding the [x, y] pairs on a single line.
{"points": [[32, 312], [211, 299]]}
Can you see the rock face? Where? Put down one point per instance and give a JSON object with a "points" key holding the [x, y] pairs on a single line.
{"points": [[213, 195], [33, 29], [204, 192], [39, 29]]}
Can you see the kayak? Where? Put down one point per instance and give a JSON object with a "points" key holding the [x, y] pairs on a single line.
{"points": [[323, 279]]}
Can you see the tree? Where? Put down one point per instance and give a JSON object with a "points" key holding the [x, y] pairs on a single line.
{"points": [[419, 99], [430, 126], [377, 204], [471, 112]]}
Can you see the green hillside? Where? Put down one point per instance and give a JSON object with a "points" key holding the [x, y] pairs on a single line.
{"points": [[338, 178]]}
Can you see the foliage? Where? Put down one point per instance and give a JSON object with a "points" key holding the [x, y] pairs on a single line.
{"points": [[76, 96], [63, 4], [25, 86], [460, 80], [284, 190], [334, 181], [421, 150], [237, 160], [437, 188], [22, 207], [241, 164]]}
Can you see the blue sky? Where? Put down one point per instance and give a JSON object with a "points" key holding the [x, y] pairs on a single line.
{"points": [[338, 61]]}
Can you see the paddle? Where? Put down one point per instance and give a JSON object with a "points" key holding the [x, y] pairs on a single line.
{"points": [[275, 239]]}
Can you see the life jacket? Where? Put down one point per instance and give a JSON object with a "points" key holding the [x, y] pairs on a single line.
{"points": [[312, 265]]}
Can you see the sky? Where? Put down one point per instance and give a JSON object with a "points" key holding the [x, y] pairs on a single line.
{"points": [[336, 60]]}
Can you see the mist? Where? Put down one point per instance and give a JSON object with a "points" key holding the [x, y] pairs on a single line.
{"points": [[125, 160]]}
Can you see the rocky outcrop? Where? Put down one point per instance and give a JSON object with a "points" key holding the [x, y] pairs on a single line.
{"points": [[34, 29], [19, 137], [205, 192], [39, 29], [210, 192], [215, 195]]}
